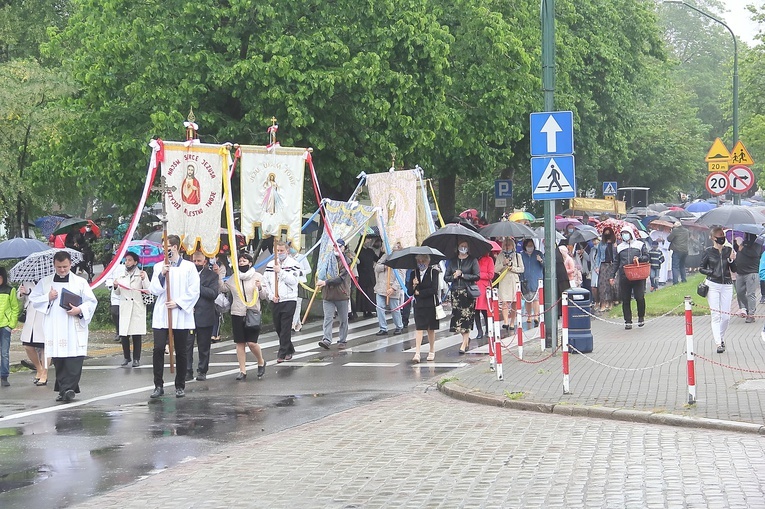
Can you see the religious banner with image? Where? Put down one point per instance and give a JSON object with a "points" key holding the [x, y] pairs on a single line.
{"points": [[194, 175], [346, 220], [272, 191], [395, 193]]}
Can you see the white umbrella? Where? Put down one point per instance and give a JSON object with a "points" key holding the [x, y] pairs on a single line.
{"points": [[38, 265]]}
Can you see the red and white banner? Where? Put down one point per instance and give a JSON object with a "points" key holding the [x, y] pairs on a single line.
{"points": [[272, 191], [193, 208]]}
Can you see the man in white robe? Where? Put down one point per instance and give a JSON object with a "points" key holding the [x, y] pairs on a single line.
{"points": [[184, 293], [66, 331]]}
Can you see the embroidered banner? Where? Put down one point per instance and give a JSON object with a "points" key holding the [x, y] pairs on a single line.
{"points": [[272, 191], [346, 220], [194, 206], [395, 193]]}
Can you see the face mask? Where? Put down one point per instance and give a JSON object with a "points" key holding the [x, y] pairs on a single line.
{"points": [[422, 266], [245, 267], [282, 257], [626, 237], [530, 249], [463, 250], [508, 253], [720, 240]]}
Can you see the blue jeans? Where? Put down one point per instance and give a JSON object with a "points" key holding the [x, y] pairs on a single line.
{"points": [[678, 266], [5, 352], [655, 277], [381, 306]]}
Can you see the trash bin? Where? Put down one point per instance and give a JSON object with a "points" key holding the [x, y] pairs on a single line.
{"points": [[579, 323]]}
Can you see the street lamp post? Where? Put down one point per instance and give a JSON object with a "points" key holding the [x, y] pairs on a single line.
{"points": [[736, 196]]}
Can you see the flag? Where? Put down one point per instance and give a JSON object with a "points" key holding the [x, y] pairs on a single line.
{"points": [[346, 220], [272, 191], [396, 195], [194, 175]]}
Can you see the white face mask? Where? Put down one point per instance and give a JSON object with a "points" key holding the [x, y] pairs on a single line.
{"points": [[463, 250], [626, 237]]}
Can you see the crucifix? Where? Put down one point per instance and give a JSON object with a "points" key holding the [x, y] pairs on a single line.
{"points": [[163, 189]]}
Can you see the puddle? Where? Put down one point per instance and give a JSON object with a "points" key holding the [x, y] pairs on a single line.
{"points": [[24, 478]]}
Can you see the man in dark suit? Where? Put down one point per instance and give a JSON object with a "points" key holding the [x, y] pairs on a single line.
{"points": [[204, 316]]}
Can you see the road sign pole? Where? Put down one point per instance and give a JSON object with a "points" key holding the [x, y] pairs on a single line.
{"points": [[548, 84]]}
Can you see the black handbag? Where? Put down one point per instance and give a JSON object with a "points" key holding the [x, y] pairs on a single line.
{"points": [[472, 290], [252, 319], [702, 289]]}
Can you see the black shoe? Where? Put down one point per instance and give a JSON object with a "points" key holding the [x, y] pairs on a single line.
{"points": [[381, 333], [505, 326], [627, 326], [262, 369], [59, 398], [641, 323], [5, 383], [288, 357], [69, 396], [125, 363], [201, 377], [397, 332], [136, 363], [241, 376], [117, 339], [179, 393], [189, 377], [158, 391], [28, 365], [721, 348], [536, 323], [324, 343]]}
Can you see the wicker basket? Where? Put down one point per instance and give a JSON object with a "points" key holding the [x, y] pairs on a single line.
{"points": [[637, 271]]}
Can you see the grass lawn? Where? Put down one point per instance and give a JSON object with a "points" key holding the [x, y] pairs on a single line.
{"points": [[668, 297]]}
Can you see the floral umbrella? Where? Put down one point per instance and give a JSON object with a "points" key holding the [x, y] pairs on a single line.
{"points": [[617, 225]]}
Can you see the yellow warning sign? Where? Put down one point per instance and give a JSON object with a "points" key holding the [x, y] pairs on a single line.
{"points": [[718, 153], [740, 155]]}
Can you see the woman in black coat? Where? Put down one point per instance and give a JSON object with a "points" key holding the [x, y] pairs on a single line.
{"points": [[423, 285], [629, 251], [463, 271]]}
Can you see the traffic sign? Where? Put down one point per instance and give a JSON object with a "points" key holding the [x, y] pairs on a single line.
{"points": [[740, 179], [718, 153], [718, 166], [610, 188], [740, 155], [717, 183], [552, 133], [500, 203], [503, 189], [553, 178]]}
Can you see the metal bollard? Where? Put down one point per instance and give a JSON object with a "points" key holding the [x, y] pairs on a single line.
{"points": [[689, 352], [519, 318], [497, 333], [542, 335], [564, 306], [490, 326]]}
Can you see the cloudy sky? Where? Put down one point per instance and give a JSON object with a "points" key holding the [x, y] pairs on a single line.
{"points": [[739, 19]]}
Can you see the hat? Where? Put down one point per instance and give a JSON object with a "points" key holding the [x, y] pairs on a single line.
{"points": [[655, 243], [341, 242]]}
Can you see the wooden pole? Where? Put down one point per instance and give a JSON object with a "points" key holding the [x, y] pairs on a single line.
{"points": [[163, 189], [310, 303], [387, 297]]}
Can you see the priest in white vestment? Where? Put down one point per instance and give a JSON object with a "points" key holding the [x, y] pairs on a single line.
{"points": [[65, 330], [184, 293]]}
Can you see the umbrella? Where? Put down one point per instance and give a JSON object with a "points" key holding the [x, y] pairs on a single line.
{"points": [[93, 226], [754, 229], [658, 207], [67, 224], [47, 224], [562, 224], [588, 228], [406, 258], [658, 222], [636, 222], [581, 236], [540, 234], [617, 225], [507, 229], [40, 264], [148, 252], [20, 248], [495, 248], [641, 211], [730, 215], [521, 216], [700, 206], [155, 236], [469, 214], [679, 213], [224, 240], [446, 239]]}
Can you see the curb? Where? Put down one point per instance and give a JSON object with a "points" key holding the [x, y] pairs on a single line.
{"points": [[463, 393]]}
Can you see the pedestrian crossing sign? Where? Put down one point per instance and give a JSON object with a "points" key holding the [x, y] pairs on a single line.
{"points": [[553, 178], [740, 155], [609, 188]]}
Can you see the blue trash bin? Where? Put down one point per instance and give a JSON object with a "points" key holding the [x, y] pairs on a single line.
{"points": [[579, 323]]}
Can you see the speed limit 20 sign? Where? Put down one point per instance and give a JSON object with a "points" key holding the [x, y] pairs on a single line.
{"points": [[717, 183]]}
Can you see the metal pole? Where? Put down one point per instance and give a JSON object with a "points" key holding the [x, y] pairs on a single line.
{"points": [[548, 85], [736, 196]]}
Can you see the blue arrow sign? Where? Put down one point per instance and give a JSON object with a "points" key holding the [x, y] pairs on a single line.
{"points": [[552, 133], [610, 188], [553, 178]]}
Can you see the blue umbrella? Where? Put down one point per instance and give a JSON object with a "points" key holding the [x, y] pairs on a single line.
{"points": [[20, 248], [700, 206], [47, 224]]}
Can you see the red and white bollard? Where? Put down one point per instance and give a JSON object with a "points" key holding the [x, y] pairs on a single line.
{"points": [[490, 325], [689, 352], [541, 316], [497, 332], [519, 318], [564, 308]]}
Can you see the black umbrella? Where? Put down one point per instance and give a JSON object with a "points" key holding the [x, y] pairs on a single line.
{"points": [[447, 238], [641, 211], [67, 224], [508, 229], [754, 229], [680, 214], [20, 248], [730, 215], [582, 236], [658, 207], [406, 258]]}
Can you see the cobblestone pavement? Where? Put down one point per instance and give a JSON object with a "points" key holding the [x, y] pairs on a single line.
{"points": [[423, 449], [643, 369]]}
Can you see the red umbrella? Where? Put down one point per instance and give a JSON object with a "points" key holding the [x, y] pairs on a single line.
{"points": [[93, 226]]}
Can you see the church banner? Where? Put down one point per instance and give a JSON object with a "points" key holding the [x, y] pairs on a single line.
{"points": [[346, 219], [194, 175], [272, 191], [395, 193]]}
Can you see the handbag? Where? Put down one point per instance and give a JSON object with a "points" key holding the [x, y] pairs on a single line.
{"points": [[440, 312], [702, 289], [252, 319], [222, 303], [472, 290], [147, 298]]}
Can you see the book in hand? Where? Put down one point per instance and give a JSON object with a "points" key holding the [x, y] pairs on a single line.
{"points": [[69, 299]]}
